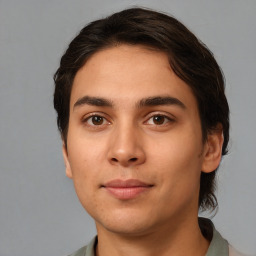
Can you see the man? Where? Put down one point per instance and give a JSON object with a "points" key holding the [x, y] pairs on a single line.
{"points": [[144, 122]]}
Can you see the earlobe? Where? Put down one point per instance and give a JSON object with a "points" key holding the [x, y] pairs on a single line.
{"points": [[213, 150], [66, 161]]}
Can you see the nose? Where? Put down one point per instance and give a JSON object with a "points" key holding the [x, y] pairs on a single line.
{"points": [[126, 147]]}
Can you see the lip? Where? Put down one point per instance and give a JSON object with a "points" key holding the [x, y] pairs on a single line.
{"points": [[126, 189]]}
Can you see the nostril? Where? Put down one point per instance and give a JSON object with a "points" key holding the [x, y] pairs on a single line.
{"points": [[117, 160]]}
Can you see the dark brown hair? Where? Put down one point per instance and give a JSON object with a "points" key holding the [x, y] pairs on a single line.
{"points": [[189, 58]]}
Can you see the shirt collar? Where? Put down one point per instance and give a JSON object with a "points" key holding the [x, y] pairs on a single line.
{"points": [[218, 245]]}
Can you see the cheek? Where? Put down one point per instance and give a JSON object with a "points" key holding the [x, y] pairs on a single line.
{"points": [[84, 179], [86, 152], [179, 179], [177, 150], [178, 160], [87, 156], [83, 166]]}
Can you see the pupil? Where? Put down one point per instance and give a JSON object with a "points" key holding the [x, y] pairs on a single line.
{"points": [[158, 119], [97, 120]]}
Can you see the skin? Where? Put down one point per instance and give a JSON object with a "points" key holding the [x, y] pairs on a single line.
{"points": [[160, 145]]}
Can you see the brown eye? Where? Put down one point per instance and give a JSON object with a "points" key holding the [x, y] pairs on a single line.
{"points": [[97, 120], [159, 120]]}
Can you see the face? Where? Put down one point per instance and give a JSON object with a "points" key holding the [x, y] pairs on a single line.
{"points": [[134, 144]]}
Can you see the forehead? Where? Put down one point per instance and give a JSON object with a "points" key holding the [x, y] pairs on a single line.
{"points": [[129, 73]]}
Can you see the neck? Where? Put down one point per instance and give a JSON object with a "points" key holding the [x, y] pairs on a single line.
{"points": [[180, 238]]}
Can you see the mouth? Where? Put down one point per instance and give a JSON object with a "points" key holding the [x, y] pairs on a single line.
{"points": [[126, 189]]}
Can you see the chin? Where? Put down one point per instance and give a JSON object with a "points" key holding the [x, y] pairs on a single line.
{"points": [[129, 229], [125, 224]]}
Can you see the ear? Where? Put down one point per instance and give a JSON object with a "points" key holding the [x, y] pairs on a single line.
{"points": [[66, 161], [213, 150]]}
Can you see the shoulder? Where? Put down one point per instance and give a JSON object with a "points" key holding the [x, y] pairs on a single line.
{"points": [[234, 252], [218, 245], [87, 250], [80, 252]]}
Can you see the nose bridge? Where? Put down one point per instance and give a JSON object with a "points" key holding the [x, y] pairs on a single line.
{"points": [[126, 147]]}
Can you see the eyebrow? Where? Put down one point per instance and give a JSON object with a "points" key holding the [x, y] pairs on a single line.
{"points": [[146, 102], [93, 101], [160, 100]]}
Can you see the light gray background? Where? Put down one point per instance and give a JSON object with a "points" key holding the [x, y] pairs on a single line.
{"points": [[40, 214]]}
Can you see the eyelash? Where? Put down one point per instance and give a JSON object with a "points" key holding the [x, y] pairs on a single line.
{"points": [[94, 115], [167, 119], [85, 120]]}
